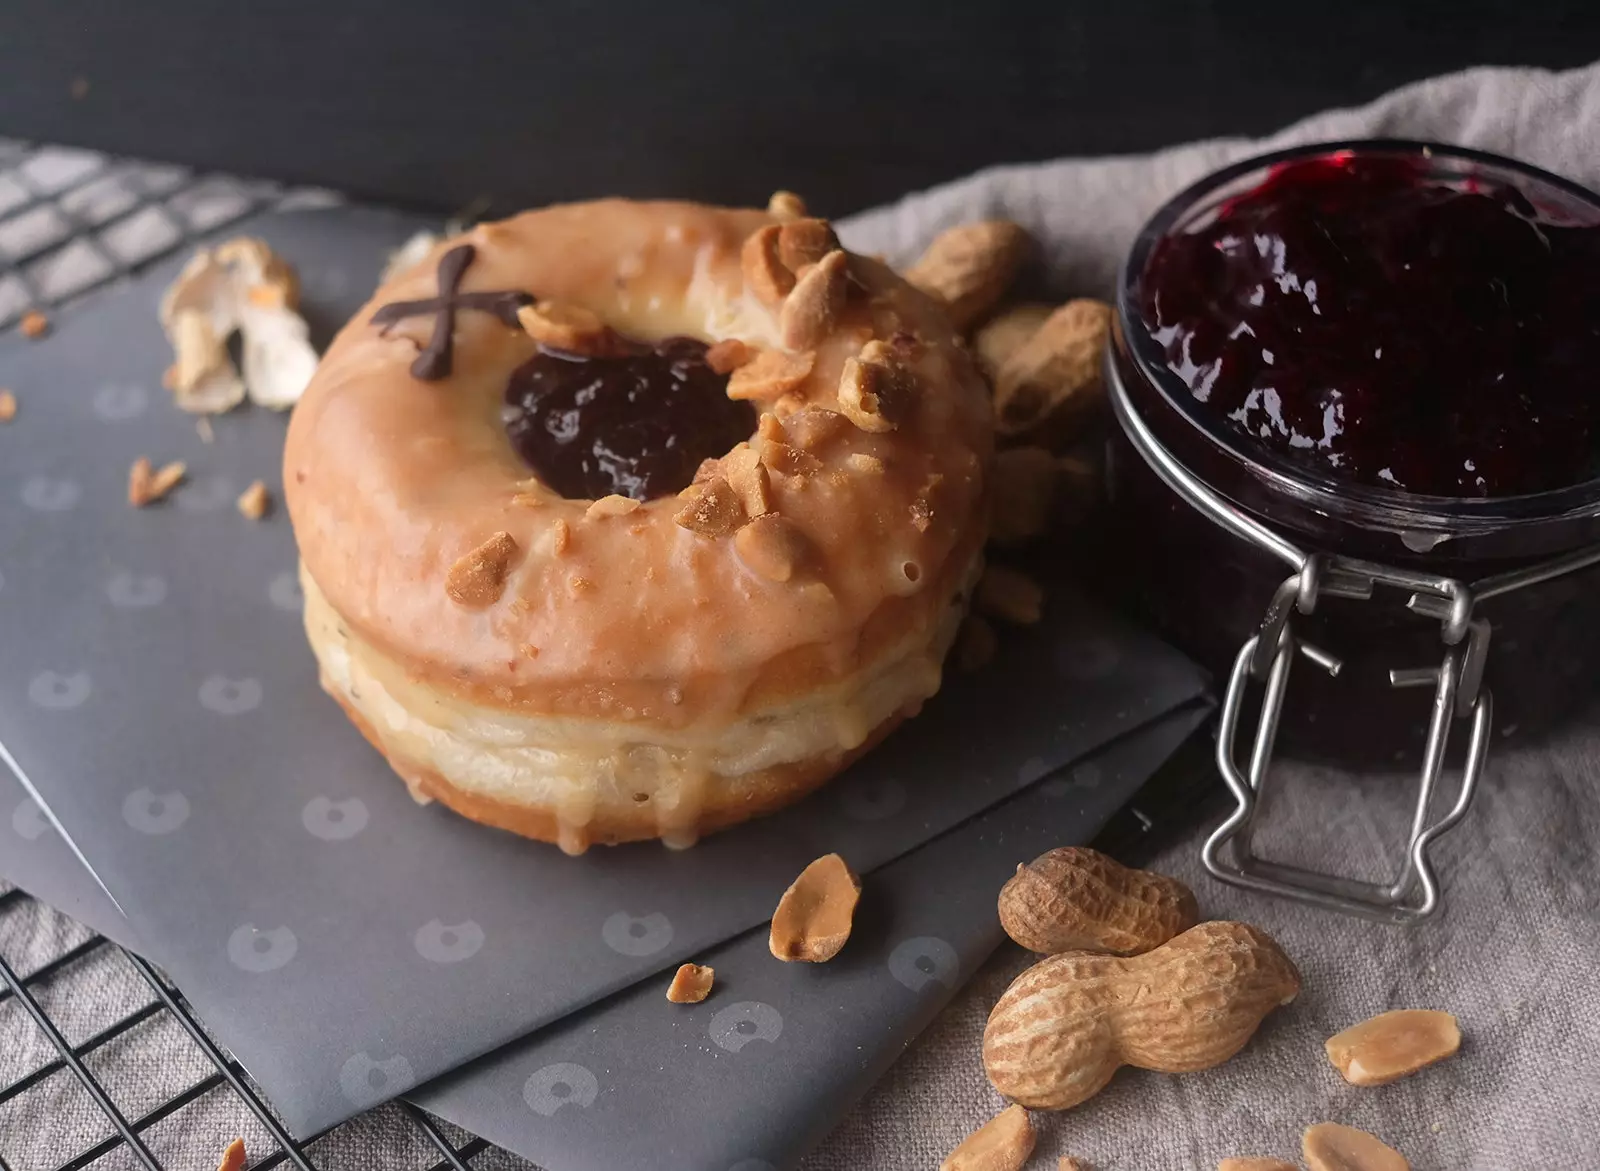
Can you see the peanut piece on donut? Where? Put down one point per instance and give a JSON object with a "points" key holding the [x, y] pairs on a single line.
{"points": [[809, 312], [772, 547], [8, 406], [860, 461], [811, 427], [613, 505], [875, 389], [813, 919], [922, 506], [788, 460], [565, 327], [803, 242], [976, 644], [969, 268], [770, 374], [765, 274], [478, 579], [728, 355], [748, 477], [1024, 492], [1009, 596], [786, 205], [770, 428], [691, 984], [560, 537], [715, 512]]}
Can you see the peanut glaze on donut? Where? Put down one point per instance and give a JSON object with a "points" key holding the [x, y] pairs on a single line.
{"points": [[605, 658]]}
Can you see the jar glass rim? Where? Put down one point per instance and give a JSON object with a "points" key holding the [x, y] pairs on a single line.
{"points": [[1389, 506]]}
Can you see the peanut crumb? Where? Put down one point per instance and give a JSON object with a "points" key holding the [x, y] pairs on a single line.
{"points": [[560, 537], [789, 461], [571, 328], [146, 486], [691, 984], [255, 502], [786, 205], [8, 406], [233, 1158], [1009, 596], [202, 428], [35, 324], [521, 606], [579, 585], [715, 512], [527, 500], [768, 427], [770, 373], [870, 465], [527, 649], [728, 355], [613, 505]]}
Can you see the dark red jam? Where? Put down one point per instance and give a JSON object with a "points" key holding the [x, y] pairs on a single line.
{"points": [[638, 424], [1364, 320]]}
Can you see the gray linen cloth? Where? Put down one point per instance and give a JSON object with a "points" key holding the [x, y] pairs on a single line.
{"points": [[1513, 954]]}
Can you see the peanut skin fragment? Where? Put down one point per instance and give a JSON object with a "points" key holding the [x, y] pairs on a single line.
{"points": [[813, 919], [1328, 1146], [1392, 1045], [1001, 1144]]}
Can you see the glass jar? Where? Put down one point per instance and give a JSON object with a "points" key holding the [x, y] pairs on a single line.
{"points": [[1222, 539]]}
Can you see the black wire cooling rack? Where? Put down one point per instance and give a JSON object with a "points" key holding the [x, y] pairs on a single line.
{"points": [[74, 220], [452, 1149]]}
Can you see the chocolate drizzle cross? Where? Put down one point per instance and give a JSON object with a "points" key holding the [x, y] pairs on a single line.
{"points": [[433, 363]]}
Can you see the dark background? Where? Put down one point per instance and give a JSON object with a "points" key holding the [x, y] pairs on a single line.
{"points": [[847, 101]]}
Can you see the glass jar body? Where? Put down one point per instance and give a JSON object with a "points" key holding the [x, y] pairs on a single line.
{"points": [[1208, 589]]}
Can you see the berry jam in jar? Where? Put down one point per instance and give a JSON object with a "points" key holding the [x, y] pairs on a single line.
{"points": [[1370, 353]]}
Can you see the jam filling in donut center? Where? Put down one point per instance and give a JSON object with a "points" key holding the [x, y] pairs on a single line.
{"points": [[635, 424]]}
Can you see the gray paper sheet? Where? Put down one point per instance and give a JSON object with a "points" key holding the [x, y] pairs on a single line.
{"points": [[159, 696], [758, 1073]]}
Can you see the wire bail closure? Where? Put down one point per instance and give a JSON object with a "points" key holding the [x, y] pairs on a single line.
{"points": [[1458, 694], [1457, 682]]}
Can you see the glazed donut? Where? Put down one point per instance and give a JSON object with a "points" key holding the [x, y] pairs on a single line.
{"points": [[628, 520]]}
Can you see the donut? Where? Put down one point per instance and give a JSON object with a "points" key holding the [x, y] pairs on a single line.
{"points": [[628, 520]]}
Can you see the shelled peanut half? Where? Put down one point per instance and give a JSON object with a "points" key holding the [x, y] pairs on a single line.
{"points": [[1043, 364]]}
